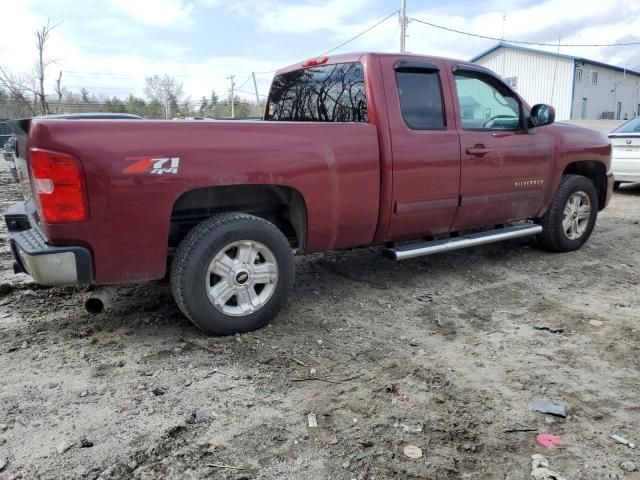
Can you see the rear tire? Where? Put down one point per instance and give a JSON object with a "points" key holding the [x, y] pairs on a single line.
{"points": [[571, 216], [232, 273], [616, 185]]}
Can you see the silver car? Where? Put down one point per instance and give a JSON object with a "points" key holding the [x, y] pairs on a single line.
{"points": [[625, 162]]}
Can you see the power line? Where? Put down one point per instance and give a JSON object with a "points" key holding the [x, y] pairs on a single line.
{"points": [[250, 93], [130, 105], [395, 12], [523, 42], [238, 89], [133, 75], [108, 87], [245, 82], [122, 75]]}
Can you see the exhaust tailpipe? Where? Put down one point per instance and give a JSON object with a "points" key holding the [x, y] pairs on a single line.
{"points": [[99, 300]]}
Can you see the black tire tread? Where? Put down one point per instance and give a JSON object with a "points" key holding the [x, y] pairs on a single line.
{"points": [[550, 238]]}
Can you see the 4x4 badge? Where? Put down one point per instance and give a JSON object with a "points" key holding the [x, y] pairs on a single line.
{"points": [[153, 165]]}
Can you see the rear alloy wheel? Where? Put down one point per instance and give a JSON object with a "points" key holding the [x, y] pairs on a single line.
{"points": [[242, 278], [232, 273], [571, 216]]}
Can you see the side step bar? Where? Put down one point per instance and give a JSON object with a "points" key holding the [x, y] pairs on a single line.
{"points": [[448, 244]]}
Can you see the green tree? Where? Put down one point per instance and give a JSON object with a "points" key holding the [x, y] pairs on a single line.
{"points": [[114, 105], [154, 110], [204, 106], [241, 108], [136, 105], [214, 99]]}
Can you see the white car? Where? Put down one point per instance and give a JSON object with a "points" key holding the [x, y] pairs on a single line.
{"points": [[625, 162]]}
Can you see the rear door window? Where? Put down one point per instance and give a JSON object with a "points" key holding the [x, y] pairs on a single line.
{"points": [[421, 100], [327, 93]]}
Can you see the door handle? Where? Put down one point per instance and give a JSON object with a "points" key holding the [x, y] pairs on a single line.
{"points": [[478, 150]]}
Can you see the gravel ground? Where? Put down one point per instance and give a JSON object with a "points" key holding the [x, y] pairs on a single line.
{"points": [[140, 393]]}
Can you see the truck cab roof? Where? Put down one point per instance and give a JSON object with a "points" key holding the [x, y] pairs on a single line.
{"points": [[358, 56]]}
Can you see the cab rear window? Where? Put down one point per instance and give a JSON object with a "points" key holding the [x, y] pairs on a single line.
{"points": [[327, 93]]}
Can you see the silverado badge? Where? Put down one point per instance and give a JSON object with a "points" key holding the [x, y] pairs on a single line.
{"points": [[527, 183]]}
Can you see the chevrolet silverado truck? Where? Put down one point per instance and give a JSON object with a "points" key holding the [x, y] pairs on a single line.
{"points": [[414, 154]]}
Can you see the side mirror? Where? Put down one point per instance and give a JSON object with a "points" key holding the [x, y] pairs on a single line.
{"points": [[541, 115]]}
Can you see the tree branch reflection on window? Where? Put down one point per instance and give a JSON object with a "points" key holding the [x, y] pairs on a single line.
{"points": [[329, 93]]}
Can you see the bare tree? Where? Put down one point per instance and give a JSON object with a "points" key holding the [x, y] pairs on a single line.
{"points": [[165, 90], [20, 89], [30, 91], [59, 92], [41, 65]]}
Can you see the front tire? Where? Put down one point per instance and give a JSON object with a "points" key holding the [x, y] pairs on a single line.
{"points": [[232, 273], [572, 215]]}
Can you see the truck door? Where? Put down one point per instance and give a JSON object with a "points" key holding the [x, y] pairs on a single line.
{"points": [[425, 148], [504, 166]]}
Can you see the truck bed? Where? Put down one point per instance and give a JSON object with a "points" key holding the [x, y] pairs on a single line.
{"points": [[334, 167]]}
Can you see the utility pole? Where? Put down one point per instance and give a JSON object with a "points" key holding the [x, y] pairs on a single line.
{"points": [[167, 102], [233, 111], [403, 24], [255, 87]]}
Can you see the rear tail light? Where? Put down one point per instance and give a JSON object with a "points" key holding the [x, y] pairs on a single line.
{"points": [[58, 186]]}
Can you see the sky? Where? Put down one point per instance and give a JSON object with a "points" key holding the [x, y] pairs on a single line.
{"points": [[110, 46]]}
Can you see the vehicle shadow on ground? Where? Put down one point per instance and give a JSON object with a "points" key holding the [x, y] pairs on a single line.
{"points": [[632, 189]]}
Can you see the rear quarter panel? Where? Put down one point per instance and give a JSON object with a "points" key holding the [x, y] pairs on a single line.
{"points": [[335, 167]]}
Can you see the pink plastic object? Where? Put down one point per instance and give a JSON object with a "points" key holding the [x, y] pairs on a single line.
{"points": [[549, 440]]}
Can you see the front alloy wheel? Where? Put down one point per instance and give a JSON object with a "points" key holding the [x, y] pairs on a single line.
{"points": [[570, 218], [577, 213]]}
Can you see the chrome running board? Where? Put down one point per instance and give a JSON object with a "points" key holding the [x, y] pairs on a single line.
{"points": [[456, 243]]}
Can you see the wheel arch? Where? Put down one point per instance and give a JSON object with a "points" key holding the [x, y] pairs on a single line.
{"points": [[595, 171], [281, 205]]}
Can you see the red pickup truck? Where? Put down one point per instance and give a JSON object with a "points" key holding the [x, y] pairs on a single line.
{"points": [[416, 154]]}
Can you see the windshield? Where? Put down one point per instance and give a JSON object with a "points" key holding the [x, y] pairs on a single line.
{"points": [[632, 126]]}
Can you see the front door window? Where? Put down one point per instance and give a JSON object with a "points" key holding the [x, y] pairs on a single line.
{"points": [[485, 106]]}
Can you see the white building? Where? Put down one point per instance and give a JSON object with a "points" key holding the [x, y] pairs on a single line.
{"points": [[578, 88]]}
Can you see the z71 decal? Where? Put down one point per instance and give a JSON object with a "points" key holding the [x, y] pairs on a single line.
{"points": [[153, 165]]}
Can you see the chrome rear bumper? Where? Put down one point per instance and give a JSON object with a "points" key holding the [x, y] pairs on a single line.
{"points": [[46, 264]]}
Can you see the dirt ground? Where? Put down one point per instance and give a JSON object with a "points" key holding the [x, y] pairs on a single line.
{"points": [[140, 393]]}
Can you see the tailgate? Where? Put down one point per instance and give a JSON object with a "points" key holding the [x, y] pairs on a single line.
{"points": [[20, 129]]}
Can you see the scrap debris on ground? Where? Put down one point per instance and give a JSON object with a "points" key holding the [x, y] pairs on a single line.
{"points": [[552, 407], [139, 393]]}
